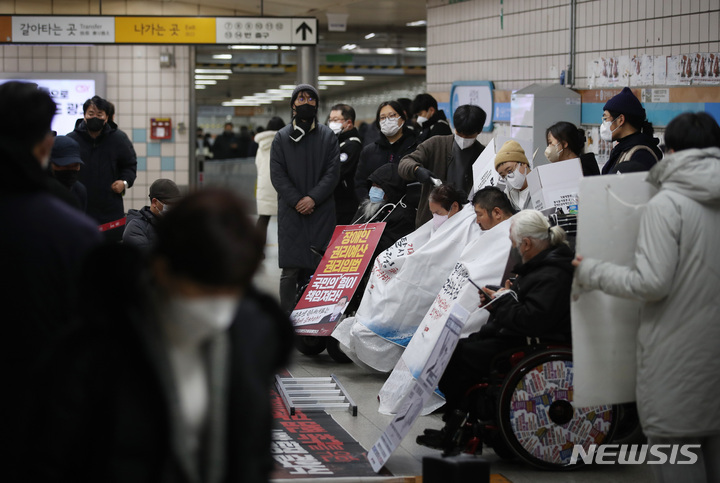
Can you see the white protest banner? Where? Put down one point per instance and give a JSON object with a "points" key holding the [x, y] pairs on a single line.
{"points": [[484, 173], [422, 388], [484, 262], [604, 327]]}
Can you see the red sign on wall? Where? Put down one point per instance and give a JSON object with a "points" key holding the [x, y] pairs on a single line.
{"points": [[336, 278]]}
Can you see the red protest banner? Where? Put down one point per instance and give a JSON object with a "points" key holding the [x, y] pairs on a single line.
{"points": [[336, 278]]}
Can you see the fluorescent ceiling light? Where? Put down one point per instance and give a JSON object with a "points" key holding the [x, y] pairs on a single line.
{"points": [[287, 87], [288, 47], [213, 71], [369, 36], [417, 23], [200, 86], [349, 46], [385, 51], [222, 56], [239, 104], [206, 82], [322, 87], [254, 47], [331, 83], [211, 77], [341, 78], [415, 49]]}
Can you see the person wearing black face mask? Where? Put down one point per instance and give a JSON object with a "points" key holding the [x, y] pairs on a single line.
{"points": [[110, 164], [304, 169], [65, 164]]}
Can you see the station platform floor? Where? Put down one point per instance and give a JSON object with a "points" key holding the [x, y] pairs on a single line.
{"points": [[368, 425]]}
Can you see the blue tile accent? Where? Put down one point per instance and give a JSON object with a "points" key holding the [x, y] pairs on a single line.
{"points": [[142, 163], [167, 163], [659, 114], [153, 149], [139, 135]]}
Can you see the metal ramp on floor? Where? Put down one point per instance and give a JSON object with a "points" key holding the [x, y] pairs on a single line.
{"points": [[314, 394]]}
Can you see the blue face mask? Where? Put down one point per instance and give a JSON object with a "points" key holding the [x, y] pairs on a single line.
{"points": [[376, 194]]}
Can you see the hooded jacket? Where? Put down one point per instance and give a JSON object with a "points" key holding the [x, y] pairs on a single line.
{"points": [[437, 125], [266, 195], [108, 158], [140, 228], [676, 273], [346, 201], [641, 160], [381, 152]]}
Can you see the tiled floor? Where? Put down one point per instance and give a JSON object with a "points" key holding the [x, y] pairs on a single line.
{"points": [[367, 427]]}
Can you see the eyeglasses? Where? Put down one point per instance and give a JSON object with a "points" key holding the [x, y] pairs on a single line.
{"points": [[392, 117], [507, 170], [303, 99]]}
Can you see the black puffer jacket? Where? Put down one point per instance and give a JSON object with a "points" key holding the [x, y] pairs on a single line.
{"points": [[108, 158], [543, 306], [381, 152], [140, 228], [642, 160], [437, 125], [346, 201]]}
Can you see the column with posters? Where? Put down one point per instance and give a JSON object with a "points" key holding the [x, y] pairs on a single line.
{"points": [[336, 279]]}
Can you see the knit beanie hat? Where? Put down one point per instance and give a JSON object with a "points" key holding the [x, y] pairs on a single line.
{"points": [[625, 103], [510, 151], [304, 87]]}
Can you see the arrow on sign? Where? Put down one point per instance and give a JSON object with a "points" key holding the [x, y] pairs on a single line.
{"points": [[305, 29]]}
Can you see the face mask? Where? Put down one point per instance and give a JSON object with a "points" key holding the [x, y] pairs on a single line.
{"points": [[552, 153], [421, 120], [376, 194], [605, 131], [94, 124], [200, 317], [305, 112], [390, 127], [463, 143], [336, 127], [67, 177], [438, 220], [516, 179]]}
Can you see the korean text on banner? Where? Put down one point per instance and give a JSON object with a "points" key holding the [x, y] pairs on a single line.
{"points": [[604, 327], [484, 173], [338, 275]]}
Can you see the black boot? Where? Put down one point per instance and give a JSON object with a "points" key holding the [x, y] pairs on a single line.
{"points": [[447, 438]]}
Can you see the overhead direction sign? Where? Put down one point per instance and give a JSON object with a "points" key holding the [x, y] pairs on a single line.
{"points": [[65, 29]]}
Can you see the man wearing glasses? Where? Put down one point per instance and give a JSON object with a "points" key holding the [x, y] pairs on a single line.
{"points": [[304, 169]]}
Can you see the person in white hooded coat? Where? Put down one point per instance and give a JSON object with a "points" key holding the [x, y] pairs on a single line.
{"points": [[676, 273], [265, 194]]}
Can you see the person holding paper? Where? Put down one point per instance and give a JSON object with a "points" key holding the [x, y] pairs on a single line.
{"points": [[566, 142], [513, 167], [676, 273], [536, 305], [447, 158]]}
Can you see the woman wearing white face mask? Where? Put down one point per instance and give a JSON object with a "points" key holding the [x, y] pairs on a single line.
{"points": [[513, 167], [444, 202], [395, 142], [566, 142], [170, 378], [624, 121]]}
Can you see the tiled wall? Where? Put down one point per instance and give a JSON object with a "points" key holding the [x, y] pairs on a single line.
{"points": [[530, 42], [140, 90]]}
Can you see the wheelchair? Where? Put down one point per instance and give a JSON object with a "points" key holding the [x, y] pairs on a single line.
{"points": [[526, 411]]}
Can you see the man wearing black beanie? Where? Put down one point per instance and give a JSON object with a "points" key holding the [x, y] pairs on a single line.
{"points": [[304, 169]]}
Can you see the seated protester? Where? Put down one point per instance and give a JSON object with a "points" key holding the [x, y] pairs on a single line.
{"points": [[386, 204], [140, 228], [444, 202], [395, 141], [432, 120], [566, 142], [513, 167], [447, 158], [624, 120], [536, 305]]}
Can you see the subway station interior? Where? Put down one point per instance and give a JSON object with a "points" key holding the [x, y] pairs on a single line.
{"points": [[527, 63]]}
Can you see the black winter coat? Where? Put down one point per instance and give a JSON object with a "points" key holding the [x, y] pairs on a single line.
{"points": [[106, 414], [140, 228], [437, 125], [346, 201], [381, 152], [108, 158], [543, 306], [311, 168], [642, 160]]}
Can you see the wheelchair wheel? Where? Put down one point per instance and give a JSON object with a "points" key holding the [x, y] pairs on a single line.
{"points": [[310, 345], [538, 419], [333, 348]]}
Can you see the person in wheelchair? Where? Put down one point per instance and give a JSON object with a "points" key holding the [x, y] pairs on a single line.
{"points": [[533, 309]]}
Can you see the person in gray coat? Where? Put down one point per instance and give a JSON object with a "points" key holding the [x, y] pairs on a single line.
{"points": [[140, 229], [676, 273], [304, 169]]}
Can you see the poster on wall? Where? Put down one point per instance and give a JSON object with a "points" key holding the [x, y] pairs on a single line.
{"points": [[476, 93], [701, 68]]}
